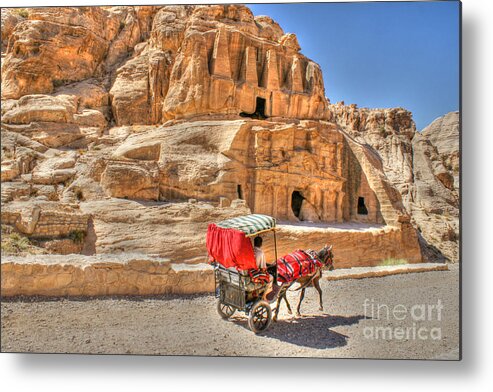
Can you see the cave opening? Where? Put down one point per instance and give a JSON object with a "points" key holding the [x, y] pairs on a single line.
{"points": [[239, 191], [296, 201], [259, 113], [362, 210]]}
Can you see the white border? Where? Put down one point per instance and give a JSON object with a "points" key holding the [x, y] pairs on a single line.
{"points": [[119, 373]]}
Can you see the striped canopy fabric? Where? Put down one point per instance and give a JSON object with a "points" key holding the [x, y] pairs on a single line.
{"points": [[249, 224]]}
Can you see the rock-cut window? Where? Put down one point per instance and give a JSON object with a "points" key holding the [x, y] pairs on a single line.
{"points": [[362, 210]]}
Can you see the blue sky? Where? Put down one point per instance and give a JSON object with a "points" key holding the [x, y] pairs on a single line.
{"points": [[381, 55]]}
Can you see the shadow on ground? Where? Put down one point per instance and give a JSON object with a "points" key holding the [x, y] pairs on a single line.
{"points": [[308, 331]]}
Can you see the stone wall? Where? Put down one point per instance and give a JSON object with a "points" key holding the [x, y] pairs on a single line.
{"points": [[354, 245], [138, 274], [44, 219], [59, 224], [76, 275]]}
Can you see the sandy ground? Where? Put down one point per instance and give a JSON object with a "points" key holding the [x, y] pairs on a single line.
{"points": [[190, 325]]}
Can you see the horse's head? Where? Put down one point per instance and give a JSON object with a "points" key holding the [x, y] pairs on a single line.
{"points": [[326, 256]]}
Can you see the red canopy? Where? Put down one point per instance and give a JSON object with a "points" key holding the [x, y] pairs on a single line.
{"points": [[230, 247]]}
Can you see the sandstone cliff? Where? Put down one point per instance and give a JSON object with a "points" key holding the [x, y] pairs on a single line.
{"points": [[435, 194], [171, 62], [131, 128], [422, 166]]}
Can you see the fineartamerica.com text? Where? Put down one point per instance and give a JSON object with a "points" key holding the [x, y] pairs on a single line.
{"points": [[418, 318]]}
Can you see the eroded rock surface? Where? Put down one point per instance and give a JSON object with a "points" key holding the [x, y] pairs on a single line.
{"points": [[435, 195]]}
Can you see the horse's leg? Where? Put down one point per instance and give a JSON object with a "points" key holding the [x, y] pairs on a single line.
{"points": [[316, 283], [302, 295], [278, 305], [287, 303]]}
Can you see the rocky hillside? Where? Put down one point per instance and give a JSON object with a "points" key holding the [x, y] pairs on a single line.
{"points": [[443, 133], [434, 201], [422, 166], [128, 129]]}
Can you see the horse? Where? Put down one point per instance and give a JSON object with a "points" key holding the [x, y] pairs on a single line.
{"points": [[325, 256]]}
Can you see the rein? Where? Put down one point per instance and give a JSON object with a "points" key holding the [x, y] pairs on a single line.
{"points": [[327, 259]]}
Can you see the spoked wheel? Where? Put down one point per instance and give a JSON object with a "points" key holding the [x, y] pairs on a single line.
{"points": [[225, 311], [260, 317]]}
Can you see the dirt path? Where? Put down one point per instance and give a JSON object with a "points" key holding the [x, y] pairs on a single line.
{"points": [[190, 325]]}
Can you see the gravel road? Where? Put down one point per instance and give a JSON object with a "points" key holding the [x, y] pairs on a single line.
{"points": [[414, 316]]}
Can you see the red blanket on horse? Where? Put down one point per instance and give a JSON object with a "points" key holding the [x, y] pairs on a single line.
{"points": [[297, 264]]}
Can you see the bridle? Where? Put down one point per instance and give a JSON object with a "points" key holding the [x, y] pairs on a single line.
{"points": [[327, 257]]}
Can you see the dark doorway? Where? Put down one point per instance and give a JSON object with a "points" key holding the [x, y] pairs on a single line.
{"points": [[260, 108], [259, 113], [239, 192], [296, 201], [362, 210]]}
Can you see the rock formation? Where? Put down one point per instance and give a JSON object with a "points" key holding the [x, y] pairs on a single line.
{"points": [[178, 61], [131, 128], [435, 195], [443, 133], [422, 166]]}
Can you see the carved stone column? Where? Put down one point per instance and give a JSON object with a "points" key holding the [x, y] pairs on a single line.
{"points": [[339, 206]]}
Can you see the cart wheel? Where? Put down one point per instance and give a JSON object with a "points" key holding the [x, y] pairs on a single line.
{"points": [[260, 317], [225, 311]]}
